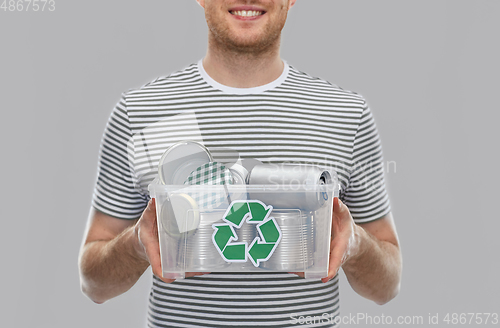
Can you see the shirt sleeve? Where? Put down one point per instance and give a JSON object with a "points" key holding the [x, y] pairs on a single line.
{"points": [[116, 193], [366, 194]]}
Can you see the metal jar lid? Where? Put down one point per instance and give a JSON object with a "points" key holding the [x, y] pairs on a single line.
{"points": [[180, 159]]}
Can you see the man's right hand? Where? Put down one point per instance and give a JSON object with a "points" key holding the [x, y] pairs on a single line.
{"points": [[116, 252], [147, 246]]}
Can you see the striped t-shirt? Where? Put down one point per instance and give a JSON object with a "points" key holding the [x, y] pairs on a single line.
{"points": [[294, 119]]}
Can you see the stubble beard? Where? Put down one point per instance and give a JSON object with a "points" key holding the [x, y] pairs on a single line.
{"points": [[226, 42]]}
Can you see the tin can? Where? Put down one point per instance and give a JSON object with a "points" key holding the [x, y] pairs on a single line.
{"points": [[303, 178], [240, 176], [201, 255], [239, 173], [295, 252]]}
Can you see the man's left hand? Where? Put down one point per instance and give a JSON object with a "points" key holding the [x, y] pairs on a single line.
{"points": [[345, 240]]}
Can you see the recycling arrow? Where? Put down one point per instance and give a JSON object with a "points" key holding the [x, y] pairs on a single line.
{"points": [[262, 247], [223, 235]]}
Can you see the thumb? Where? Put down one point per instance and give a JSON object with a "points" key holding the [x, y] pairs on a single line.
{"points": [[151, 205], [338, 206], [340, 213], [150, 212]]}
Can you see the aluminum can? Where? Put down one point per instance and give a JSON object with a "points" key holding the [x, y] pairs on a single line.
{"points": [[239, 174], [302, 178]]}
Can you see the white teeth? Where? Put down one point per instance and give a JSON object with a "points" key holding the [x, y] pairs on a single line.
{"points": [[245, 13]]}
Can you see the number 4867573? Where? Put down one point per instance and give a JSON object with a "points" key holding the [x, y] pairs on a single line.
{"points": [[28, 5]]}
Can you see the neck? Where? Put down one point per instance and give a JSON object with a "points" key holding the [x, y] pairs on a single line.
{"points": [[242, 69]]}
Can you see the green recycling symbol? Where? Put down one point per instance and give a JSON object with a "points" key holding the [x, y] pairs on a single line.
{"points": [[262, 246]]}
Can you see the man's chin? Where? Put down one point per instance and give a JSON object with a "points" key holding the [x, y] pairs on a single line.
{"points": [[252, 45]]}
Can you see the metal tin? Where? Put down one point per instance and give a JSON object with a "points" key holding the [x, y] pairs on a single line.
{"points": [[180, 159], [240, 175], [290, 176], [201, 255], [295, 252], [239, 172]]}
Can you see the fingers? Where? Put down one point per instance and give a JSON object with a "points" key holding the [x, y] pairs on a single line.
{"points": [[337, 204], [147, 231], [341, 234], [148, 237], [153, 254], [149, 214], [338, 249], [339, 209]]}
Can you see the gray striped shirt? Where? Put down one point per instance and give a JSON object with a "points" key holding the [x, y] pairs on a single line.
{"points": [[296, 119]]}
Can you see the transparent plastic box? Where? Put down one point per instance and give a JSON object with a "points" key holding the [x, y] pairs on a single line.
{"points": [[244, 228]]}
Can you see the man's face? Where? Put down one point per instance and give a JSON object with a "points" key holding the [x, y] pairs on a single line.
{"points": [[249, 26]]}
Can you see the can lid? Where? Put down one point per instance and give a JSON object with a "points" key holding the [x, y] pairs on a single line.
{"points": [[212, 173], [180, 159], [240, 173]]}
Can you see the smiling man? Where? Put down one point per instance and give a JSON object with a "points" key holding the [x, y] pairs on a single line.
{"points": [[244, 98], [244, 41]]}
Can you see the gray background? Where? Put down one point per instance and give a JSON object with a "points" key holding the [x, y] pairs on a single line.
{"points": [[429, 70]]}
